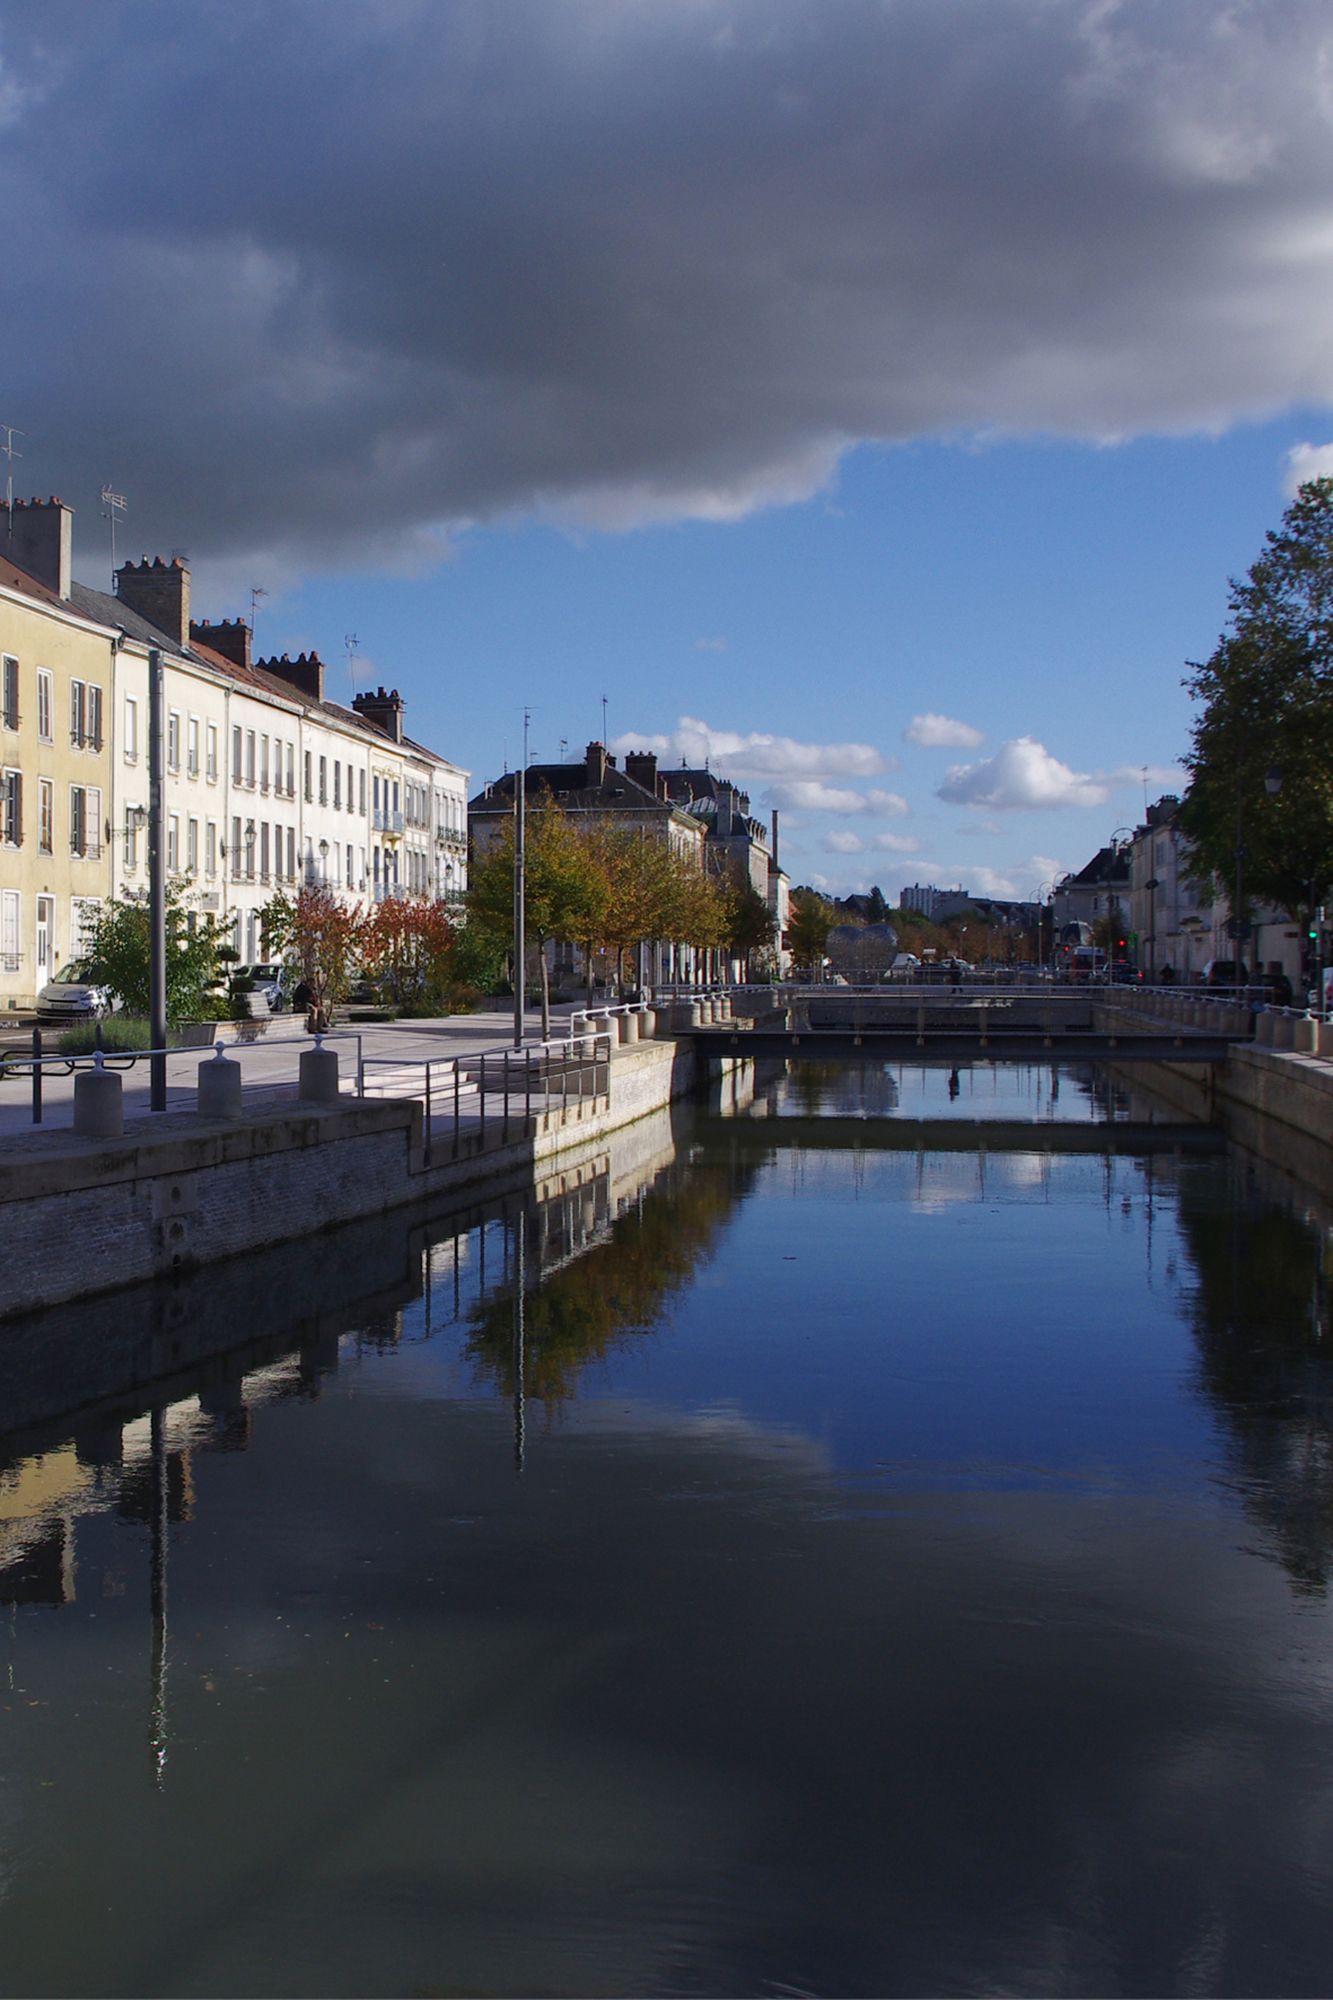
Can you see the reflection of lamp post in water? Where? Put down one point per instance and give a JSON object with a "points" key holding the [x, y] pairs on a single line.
{"points": [[520, 1279], [157, 1723]]}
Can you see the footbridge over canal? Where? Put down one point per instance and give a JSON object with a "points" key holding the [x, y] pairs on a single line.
{"points": [[977, 1024]]}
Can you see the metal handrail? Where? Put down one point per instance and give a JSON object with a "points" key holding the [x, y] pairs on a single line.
{"points": [[518, 1068], [14, 1063]]}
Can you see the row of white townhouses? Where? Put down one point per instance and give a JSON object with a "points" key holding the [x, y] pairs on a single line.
{"points": [[269, 784]]}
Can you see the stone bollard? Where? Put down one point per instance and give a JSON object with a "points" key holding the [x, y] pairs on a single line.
{"points": [[219, 1087], [627, 1027], [1304, 1038], [1264, 1024], [319, 1074], [99, 1111], [647, 1024], [1324, 1038], [1283, 1036]]}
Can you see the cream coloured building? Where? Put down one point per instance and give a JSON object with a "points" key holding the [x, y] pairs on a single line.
{"points": [[268, 783]]}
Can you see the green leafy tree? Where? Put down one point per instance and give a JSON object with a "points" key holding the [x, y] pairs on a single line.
{"points": [[749, 923], [808, 926], [118, 946], [320, 939], [1266, 717], [563, 888]]}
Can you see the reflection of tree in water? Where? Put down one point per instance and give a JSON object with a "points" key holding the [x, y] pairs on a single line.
{"points": [[617, 1288], [1261, 1319]]}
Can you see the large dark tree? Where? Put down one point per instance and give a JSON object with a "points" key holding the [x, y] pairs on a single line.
{"points": [[1261, 759]]}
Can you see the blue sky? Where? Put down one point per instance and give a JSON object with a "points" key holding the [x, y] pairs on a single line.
{"points": [[1049, 590], [874, 398]]}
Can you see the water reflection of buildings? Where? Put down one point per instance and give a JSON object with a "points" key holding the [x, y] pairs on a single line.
{"points": [[133, 1456]]}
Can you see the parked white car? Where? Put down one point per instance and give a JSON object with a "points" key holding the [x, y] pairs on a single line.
{"points": [[72, 996]]}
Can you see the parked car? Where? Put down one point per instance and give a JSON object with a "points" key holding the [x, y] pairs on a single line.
{"points": [[73, 996], [269, 979], [1125, 974], [1225, 972]]}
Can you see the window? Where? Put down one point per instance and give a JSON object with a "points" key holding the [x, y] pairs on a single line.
{"points": [[192, 747], [236, 850], [263, 763], [351, 873], [263, 851], [250, 758], [291, 772], [211, 767], [337, 784], [361, 791], [323, 781], [9, 930], [9, 692], [237, 764], [291, 854], [85, 821], [131, 730], [46, 705], [309, 793], [46, 816], [76, 714], [91, 738], [173, 741], [11, 808], [192, 846], [250, 849], [211, 849], [131, 847], [173, 843]]}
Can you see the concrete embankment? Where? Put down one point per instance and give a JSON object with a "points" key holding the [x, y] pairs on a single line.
{"points": [[80, 1215], [1276, 1103]]}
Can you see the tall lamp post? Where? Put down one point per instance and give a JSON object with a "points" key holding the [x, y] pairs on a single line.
{"points": [[1043, 890]]}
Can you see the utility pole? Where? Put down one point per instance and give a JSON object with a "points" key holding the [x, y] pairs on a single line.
{"points": [[11, 452], [520, 887], [157, 889]]}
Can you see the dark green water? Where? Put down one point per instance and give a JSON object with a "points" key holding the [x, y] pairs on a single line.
{"points": [[877, 1558]]}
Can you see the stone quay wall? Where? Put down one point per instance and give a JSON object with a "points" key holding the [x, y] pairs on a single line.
{"points": [[80, 1215]]}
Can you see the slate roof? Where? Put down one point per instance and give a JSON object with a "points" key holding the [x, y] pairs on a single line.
{"points": [[104, 609]]}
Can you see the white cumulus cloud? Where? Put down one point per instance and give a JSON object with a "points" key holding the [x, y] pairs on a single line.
{"points": [[1021, 776], [844, 842], [896, 843], [941, 732], [757, 754], [1307, 461]]}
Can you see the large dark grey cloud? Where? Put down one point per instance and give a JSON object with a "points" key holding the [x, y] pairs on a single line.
{"points": [[321, 278]]}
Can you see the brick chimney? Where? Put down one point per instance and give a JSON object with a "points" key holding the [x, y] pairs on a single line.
{"points": [[641, 766], [230, 637], [595, 763], [39, 537], [159, 592], [385, 710], [305, 672]]}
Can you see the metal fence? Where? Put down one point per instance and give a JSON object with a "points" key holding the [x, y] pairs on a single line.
{"points": [[473, 1102], [28, 1059]]}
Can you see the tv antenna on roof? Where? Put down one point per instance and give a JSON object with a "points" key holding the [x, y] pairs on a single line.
{"points": [[11, 452], [256, 592], [113, 504], [350, 644]]}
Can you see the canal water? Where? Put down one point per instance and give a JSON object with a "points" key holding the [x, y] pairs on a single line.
{"points": [[878, 1543]]}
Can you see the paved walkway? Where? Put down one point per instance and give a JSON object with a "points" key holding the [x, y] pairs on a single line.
{"points": [[269, 1066]]}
